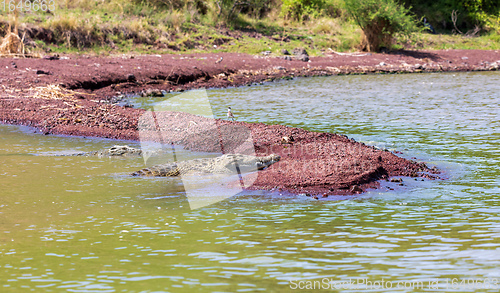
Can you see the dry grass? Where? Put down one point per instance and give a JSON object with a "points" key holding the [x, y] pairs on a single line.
{"points": [[64, 23], [11, 44], [326, 26], [174, 19], [53, 92]]}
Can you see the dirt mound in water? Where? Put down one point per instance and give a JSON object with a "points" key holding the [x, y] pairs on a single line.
{"points": [[311, 162]]}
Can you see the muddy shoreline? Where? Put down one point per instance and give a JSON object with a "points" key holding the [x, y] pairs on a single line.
{"points": [[83, 88]]}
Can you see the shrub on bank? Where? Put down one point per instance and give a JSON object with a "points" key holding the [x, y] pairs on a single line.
{"points": [[380, 20]]}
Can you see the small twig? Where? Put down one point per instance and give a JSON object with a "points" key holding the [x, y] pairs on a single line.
{"points": [[474, 32], [173, 68], [22, 43], [348, 54], [454, 17]]}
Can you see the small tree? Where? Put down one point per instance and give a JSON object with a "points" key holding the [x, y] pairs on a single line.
{"points": [[380, 20]]}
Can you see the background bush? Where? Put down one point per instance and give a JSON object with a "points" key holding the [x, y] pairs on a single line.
{"points": [[380, 20], [471, 13]]}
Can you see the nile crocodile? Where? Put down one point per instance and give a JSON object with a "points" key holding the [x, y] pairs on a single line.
{"points": [[225, 164]]}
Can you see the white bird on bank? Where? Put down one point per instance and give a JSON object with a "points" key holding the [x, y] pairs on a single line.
{"points": [[229, 114]]}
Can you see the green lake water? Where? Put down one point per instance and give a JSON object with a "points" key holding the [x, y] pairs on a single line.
{"points": [[80, 224]]}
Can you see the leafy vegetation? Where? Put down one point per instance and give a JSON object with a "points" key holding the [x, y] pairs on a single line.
{"points": [[253, 26], [380, 20], [459, 15]]}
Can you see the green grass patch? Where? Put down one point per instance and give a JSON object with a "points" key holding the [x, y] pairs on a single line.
{"points": [[156, 27]]}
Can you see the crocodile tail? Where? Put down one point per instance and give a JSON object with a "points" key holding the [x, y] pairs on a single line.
{"points": [[88, 154], [143, 172], [158, 171]]}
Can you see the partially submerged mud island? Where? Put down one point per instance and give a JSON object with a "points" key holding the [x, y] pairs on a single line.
{"points": [[313, 163], [74, 96]]}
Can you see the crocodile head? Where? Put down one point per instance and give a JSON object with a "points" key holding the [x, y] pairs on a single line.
{"points": [[121, 150], [263, 162], [249, 163]]}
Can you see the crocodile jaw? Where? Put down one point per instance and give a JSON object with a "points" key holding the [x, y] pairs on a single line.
{"points": [[267, 161]]}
